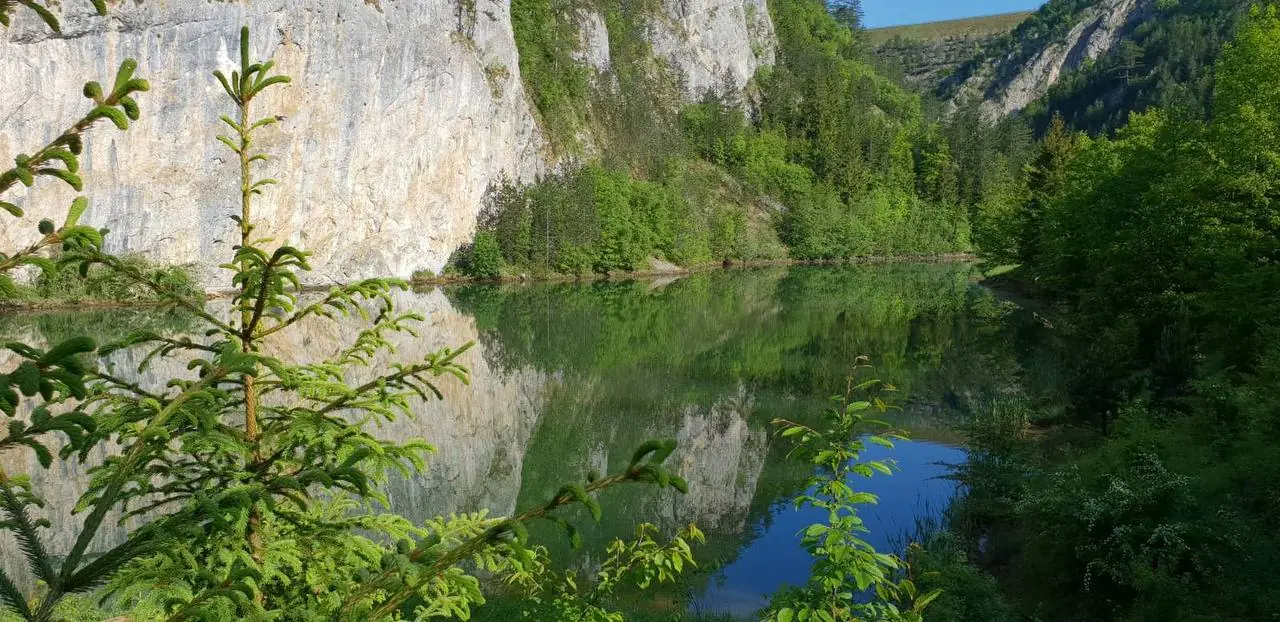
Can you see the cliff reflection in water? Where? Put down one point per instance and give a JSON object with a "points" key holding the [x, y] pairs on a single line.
{"points": [[570, 378]]}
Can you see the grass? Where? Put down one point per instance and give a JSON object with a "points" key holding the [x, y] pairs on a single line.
{"points": [[63, 285], [972, 27], [1002, 269]]}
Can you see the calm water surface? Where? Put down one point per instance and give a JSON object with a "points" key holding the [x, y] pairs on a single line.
{"points": [[570, 378]]}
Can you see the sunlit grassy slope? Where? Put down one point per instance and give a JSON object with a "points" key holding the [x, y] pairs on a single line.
{"points": [[973, 27]]}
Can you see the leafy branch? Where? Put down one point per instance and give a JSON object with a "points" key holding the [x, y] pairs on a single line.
{"points": [[846, 566], [646, 467]]}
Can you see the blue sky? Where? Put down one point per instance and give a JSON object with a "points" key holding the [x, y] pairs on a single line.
{"points": [[895, 12]]}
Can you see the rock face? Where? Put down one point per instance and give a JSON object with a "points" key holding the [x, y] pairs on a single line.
{"points": [[1009, 84], [714, 41], [400, 116]]}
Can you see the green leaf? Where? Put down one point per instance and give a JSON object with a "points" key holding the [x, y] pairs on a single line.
{"points": [[123, 75], [44, 14], [68, 159], [78, 207], [70, 347], [93, 90], [26, 378], [226, 85], [924, 601], [115, 115], [42, 454], [130, 107], [680, 484], [13, 210], [70, 178], [645, 449], [881, 467], [786, 614]]}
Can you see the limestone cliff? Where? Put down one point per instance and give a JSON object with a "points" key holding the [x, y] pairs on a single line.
{"points": [[710, 41], [1008, 82], [402, 114]]}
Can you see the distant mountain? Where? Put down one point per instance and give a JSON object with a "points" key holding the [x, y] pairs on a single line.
{"points": [[927, 53], [1097, 61]]}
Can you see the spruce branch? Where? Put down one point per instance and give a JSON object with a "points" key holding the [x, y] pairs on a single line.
{"points": [[118, 107], [107, 498], [646, 467], [343, 301], [25, 530], [163, 291], [11, 596]]}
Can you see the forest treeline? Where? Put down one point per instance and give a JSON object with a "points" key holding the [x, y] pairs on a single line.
{"points": [[834, 160], [1144, 485]]}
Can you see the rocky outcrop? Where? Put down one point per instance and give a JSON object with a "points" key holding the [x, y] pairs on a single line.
{"points": [[400, 116], [714, 43], [925, 64], [1008, 84]]}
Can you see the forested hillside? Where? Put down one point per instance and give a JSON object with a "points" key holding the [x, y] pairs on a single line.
{"points": [[1163, 61], [1121, 56], [925, 54], [818, 157], [1144, 486]]}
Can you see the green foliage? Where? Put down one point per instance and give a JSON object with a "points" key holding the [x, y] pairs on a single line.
{"points": [[940, 562], [602, 220], [482, 259], [254, 479], [547, 38], [836, 143], [1165, 61], [626, 111], [840, 146], [64, 284], [486, 257], [1156, 248], [845, 565], [642, 562]]}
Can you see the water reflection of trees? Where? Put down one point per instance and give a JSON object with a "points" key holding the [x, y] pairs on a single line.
{"points": [[731, 351]]}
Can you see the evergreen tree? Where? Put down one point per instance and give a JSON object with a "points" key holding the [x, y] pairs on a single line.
{"points": [[1046, 176], [256, 478], [847, 12]]}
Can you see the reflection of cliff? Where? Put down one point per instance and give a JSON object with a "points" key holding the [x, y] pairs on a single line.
{"points": [[721, 457], [480, 430], [567, 379]]}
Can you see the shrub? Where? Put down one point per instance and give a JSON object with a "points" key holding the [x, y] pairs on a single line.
{"points": [[64, 283], [486, 257]]}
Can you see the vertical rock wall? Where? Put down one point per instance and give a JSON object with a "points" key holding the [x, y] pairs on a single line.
{"points": [[400, 117]]}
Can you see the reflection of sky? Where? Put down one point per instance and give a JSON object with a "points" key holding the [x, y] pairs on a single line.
{"points": [[775, 558]]}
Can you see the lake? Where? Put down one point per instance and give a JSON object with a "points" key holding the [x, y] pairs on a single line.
{"points": [[570, 378]]}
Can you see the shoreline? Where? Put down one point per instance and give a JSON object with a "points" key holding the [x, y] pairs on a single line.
{"points": [[35, 307], [557, 277]]}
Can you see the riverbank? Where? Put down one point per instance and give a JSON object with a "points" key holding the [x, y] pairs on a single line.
{"points": [[667, 271]]}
